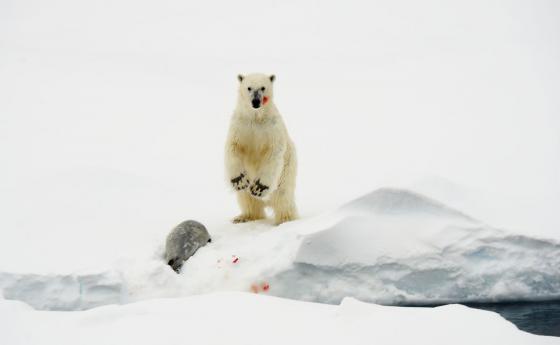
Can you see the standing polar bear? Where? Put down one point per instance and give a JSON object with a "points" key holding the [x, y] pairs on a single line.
{"points": [[260, 156]]}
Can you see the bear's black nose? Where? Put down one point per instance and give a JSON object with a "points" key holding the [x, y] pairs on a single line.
{"points": [[256, 103]]}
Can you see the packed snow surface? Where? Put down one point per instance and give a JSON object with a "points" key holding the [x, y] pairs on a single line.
{"points": [[390, 246], [246, 319]]}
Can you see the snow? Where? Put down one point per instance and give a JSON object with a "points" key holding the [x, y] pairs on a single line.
{"points": [[113, 116], [111, 134], [234, 318], [391, 246], [397, 247]]}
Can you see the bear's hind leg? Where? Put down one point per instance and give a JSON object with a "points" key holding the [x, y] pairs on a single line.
{"points": [[284, 216], [284, 208], [251, 208]]}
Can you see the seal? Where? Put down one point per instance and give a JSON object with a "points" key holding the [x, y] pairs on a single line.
{"points": [[183, 242]]}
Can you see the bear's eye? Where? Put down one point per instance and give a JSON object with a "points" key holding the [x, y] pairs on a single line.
{"points": [[262, 88], [249, 89]]}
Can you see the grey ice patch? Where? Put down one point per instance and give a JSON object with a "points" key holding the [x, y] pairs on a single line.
{"points": [[183, 241], [64, 292]]}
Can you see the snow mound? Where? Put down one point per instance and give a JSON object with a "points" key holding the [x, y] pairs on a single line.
{"points": [[397, 247], [398, 201], [391, 247]]}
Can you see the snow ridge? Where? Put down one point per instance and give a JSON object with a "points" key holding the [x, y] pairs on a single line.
{"points": [[391, 246], [399, 201], [397, 247]]}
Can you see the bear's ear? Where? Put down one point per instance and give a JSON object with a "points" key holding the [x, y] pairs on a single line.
{"points": [[240, 77], [272, 77]]}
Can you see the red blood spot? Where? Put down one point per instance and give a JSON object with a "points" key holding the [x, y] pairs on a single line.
{"points": [[265, 287], [235, 259], [265, 99]]}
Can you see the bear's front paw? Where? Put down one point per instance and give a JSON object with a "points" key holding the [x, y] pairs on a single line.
{"points": [[240, 182], [258, 189]]}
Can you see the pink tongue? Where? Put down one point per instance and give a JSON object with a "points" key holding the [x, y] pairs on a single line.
{"points": [[265, 99]]}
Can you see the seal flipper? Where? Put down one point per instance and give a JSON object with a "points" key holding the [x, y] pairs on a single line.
{"points": [[175, 264]]}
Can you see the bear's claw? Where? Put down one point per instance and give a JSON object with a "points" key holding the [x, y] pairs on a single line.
{"points": [[258, 189], [240, 182]]}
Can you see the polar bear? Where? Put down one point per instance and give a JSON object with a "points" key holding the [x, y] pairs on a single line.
{"points": [[260, 157]]}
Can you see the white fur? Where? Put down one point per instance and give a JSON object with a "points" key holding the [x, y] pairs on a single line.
{"points": [[259, 147]]}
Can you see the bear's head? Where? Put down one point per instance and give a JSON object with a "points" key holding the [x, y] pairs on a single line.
{"points": [[255, 90]]}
